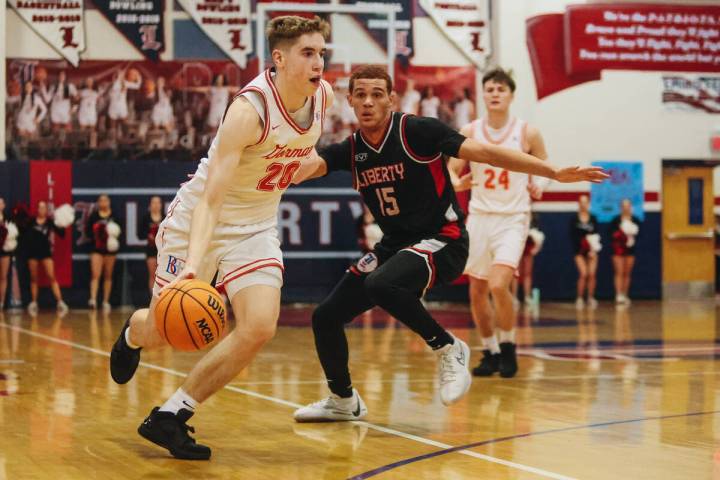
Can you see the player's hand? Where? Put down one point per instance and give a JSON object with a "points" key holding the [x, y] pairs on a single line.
{"points": [[581, 174], [186, 274], [463, 183], [535, 191]]}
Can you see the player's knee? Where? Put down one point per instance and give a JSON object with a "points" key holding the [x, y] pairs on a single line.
{"points": [[263, 332], [498, 286], [325, 315], [377, 286]]}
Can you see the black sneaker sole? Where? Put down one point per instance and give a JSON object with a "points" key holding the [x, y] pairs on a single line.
{"points": [[147, 435], [123, 376]]}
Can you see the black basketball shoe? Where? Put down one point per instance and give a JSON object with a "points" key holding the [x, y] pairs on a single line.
{"points": [[508, 360], [170, 431], [488, 365], [123, 359]]}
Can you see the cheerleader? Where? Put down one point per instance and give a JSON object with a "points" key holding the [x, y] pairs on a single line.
{"points": [[8, 243], [162, 112], [39, 252], [219, 95], [533, 244], [586, 245], [88, 111], [103, 229], [31, 113], [118, 107], [148, 229], [624, 230], [430, 104], [58, 97]]}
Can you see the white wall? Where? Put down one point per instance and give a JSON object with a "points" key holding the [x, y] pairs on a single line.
{"points": [[620, 117]]}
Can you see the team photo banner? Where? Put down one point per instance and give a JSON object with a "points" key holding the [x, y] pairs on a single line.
{"points": [[61, 24]]}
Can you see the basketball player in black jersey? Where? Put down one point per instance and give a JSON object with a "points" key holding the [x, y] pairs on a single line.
{"points": [[398, 164]]}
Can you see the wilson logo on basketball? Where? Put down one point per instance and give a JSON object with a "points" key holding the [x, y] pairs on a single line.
{"points": [[217, 306], [205, 330]]}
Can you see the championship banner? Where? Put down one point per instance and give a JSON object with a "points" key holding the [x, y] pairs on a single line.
{"points": [[141, 22], [691, 93], [376, 26], [226, 23], [51, 182], [61, 24], [626, 181], [648, 37], [466, 23]]}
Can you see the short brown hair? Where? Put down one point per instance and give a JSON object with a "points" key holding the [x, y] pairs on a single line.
{"points": [[371, 72], [290, 27], [498, 75]]}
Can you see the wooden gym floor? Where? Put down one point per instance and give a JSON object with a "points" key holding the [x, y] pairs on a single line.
{"points": [[608, 394]]}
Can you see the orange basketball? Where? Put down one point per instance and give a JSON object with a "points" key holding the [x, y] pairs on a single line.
{"points": [[190, 316]]}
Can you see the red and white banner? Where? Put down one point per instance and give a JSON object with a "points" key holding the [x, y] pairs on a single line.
{"points": [[60, 23], [594, 37], [691, 93], [466, 23], [51, 182], [226, 23]]}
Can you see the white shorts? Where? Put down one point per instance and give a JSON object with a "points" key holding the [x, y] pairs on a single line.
{"points": [[495, 239], [240, 259]]}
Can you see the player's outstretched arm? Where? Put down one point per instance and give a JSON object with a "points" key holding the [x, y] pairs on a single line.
{"points": [[517, 161], [312, 167], [241, 128], [456, 166]]}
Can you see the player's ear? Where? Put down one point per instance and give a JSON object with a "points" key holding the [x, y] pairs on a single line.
{"points": [[349, 97], [278, 57], [393, 96]]}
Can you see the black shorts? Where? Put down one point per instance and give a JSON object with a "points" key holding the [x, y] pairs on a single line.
{"points": [[39, 254], [3, 253], [444, 258]]}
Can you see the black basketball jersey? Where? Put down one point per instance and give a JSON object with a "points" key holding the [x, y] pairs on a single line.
{"points": [[404, 180]]}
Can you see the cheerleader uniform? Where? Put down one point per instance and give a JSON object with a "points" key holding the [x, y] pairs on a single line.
{"points": [[149, 230], [87, 113], [623, 243], [219, 97], [162, 113], [37, 239], [96, 229], [118, 108], [579, 231], [3, 237], [31, 112], [59, 99]]}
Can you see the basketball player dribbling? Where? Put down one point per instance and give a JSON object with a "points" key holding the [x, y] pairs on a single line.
{"points": [[224, 220], [398, 166], [498, 221]]}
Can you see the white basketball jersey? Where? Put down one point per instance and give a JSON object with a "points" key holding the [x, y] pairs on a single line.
{"points": [[265, 169], [498, 190]]}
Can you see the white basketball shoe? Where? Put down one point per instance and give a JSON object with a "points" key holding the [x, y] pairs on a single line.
{"points": [[333, 409], [455, 378]]}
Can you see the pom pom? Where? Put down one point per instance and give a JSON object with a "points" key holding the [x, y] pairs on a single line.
{"points": [[64, 216], [594, 242], [113, 229], [10, 243], [112, 244], [538, 238], [629, 228]]}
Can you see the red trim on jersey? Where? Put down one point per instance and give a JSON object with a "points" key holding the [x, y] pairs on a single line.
{"points": [[353, 269], [171, 210], [266, 120], [281, 107], [450, 230], [247, 265], [504, 135], [384, 136], [258, 267], [436, 169], [323, 104], [407, 147], [429, 255], [352, 162]]}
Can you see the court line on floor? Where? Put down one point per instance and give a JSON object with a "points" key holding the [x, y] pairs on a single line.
{"points": [[391, 466], [408, 436]]}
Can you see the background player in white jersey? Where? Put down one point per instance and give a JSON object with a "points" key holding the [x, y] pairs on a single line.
{"points": [[224, 220], [498, 221]]}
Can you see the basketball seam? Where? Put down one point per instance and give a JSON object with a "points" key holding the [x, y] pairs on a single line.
{"points": [[203, 307], [192, 339], [165, 314]]}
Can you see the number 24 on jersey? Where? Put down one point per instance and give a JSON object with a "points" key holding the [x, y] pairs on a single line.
{"points": [[503, 180]]}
